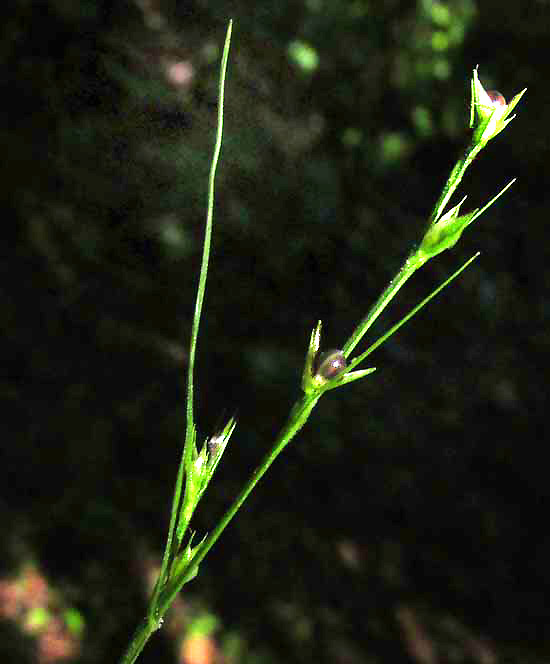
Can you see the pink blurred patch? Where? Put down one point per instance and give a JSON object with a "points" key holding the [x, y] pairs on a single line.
{"points": [[10, 599], [180, 74]]}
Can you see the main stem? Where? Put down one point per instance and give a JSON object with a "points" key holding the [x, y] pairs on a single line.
{"points": [[454, 180], [140, 638], [406, 271]]}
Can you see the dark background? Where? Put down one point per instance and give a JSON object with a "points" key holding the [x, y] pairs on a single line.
{"points": [[408, 523]]}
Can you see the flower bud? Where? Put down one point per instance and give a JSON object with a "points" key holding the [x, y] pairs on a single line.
{"points": [[489, 112]]}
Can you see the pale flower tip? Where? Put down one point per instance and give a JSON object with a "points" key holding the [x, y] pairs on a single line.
{"points": [[496, 98]]}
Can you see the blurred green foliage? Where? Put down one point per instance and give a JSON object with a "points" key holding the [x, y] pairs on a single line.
{"points": [[413, 507]]}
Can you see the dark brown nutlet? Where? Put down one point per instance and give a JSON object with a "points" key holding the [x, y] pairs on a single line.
{"points": [[329, 364]]}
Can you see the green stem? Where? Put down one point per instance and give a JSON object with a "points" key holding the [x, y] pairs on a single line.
{"points": [[406, 271], [208, 231], [454, 180], [140, 638]]}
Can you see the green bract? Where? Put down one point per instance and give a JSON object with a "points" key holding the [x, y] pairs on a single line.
{"points": [[444, 233]]}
